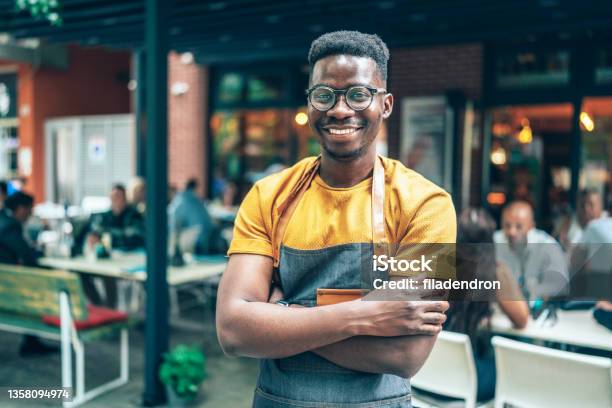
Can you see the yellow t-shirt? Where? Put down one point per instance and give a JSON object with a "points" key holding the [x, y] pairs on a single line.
{"points": [[416, 211]]}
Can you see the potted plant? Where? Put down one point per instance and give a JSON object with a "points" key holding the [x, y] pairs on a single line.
{"points": [[182, 372]]}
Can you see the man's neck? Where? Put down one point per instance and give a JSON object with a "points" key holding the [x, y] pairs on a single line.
{"points": [[343, 174]]}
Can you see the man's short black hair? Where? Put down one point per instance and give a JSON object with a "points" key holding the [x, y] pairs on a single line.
{"points": [[191, 184], [119, 186], [3, 188], [350, 43], [18, 199]]}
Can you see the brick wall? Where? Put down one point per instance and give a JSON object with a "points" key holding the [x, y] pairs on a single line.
{"points": [[433, 71], [95, 83], [187, 128]]}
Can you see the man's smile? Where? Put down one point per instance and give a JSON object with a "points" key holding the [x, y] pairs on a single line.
{"points": [[341, 133]]}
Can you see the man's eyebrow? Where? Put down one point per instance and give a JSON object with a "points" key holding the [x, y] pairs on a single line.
{"points": [[348, 86]]}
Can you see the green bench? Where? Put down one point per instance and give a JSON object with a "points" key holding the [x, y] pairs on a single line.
{"points": [[27, 294]]}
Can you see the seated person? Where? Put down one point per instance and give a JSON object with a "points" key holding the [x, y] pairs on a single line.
{"points": [[136, 194], [188, 211], [3, 192], [15, 250], [534, 258], [466, 316], [590, 207], [123, 222], [125, 226], [603, 314]]}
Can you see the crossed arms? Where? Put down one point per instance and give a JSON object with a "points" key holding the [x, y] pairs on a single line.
{"points": [[391, 337]]}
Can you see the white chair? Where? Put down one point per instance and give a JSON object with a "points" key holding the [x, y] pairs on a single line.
{"points": [[449, 371], [535, 376]]}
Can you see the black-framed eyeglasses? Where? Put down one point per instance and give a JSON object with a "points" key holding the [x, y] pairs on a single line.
{"points": [[357, 97]]}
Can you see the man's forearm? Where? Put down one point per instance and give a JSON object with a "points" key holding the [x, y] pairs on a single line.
{"points": [[263, 330], [402, 356]]}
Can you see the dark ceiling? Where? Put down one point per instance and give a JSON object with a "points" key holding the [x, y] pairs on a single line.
{"points": [[232, 30]]}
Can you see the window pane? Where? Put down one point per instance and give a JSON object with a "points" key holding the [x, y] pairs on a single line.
{"points": [[596, 125], [225, 129], [528, 69], [230, 88], [603, 69], [530, 159], [265, 88]]}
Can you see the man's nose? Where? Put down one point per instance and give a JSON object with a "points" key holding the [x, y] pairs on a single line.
{"points": [[340, 110]]}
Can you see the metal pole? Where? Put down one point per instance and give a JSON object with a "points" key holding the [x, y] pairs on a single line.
{"points": [[140, 122], [156, 324], [576, 149]]}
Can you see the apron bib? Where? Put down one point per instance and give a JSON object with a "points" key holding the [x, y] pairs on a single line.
{"points": [[307, 380]]}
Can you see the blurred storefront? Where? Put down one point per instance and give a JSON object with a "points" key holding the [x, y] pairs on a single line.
{"points": [[92, 81], [489, 122], [547, 132], [258, 124], [8, 123]]}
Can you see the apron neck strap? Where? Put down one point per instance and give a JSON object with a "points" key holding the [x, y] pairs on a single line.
{"points": [[286, 208]]}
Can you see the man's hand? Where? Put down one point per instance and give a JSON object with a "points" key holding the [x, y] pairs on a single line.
{"points": [[399, 318], [393, 318], [402, 355]]}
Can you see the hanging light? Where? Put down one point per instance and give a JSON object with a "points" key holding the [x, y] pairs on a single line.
{"points": [[587, 122], [525, 135], [496, 198], [301, 118], [498, 156]]}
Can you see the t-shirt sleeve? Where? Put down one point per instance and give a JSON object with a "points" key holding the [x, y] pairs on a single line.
{"points": [[435, 222], [251, 234], [432, 233]]}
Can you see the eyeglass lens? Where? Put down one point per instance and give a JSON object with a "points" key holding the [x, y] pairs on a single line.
{"points": [[357, 98]]}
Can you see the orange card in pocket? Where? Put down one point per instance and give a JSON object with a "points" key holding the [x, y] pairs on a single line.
{"points": [[333, 296]]}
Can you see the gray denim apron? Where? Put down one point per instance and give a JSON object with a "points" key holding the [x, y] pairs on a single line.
{"points": [[307, 380]]}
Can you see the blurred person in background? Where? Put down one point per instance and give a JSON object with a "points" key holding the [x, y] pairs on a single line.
{"points": [[603, 313], [15, 250], [136, 194], [597, 237], [187, 211], [124, 227], [172, 190], [3, 193], [475, 228], [123, 222], [571, 228], [535, 259]]}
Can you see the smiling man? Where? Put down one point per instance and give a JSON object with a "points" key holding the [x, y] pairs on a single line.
{"points": [[305, 228]]}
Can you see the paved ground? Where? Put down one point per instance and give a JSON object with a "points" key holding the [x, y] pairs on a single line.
{"points": [[229, 383]]}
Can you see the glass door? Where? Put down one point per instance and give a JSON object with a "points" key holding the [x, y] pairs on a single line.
{"points": [[596, 152], [530, 159]]}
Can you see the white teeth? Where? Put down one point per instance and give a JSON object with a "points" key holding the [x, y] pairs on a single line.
{"points": [[341, 131]]}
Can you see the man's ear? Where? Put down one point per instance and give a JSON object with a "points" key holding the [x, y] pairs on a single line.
{"points": [[387, 105]]}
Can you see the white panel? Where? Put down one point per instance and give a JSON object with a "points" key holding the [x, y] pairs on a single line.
{"points": [[94, 158], [121, 152], [93, 152]]}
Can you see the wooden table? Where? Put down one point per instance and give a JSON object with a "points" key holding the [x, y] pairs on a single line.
{"points": [[576, 328], [131, 267]]}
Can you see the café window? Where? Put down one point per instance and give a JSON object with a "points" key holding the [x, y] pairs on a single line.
{"points": [[603, 67], [230, 88], [9, 130], [526, 69], [258, 126], [596, 160], [263, 87]]}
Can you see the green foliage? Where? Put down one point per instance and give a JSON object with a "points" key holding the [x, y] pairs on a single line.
{"points": [[39, 9], [183, 370]]}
